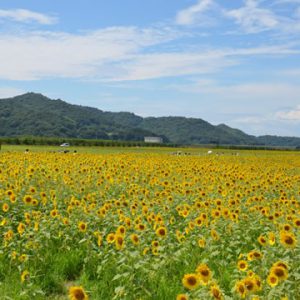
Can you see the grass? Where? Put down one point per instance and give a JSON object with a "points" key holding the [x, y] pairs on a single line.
{"points": [[159, 150], [87, 149]]}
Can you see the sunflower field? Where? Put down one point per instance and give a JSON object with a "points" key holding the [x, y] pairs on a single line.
{"points": [[150, 226]]}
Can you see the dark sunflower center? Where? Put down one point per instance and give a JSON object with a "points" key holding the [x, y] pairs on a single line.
{"points": [[279, 273], [192, 281], [249, 285], [273, 280], [288, 240], [79, 295]]}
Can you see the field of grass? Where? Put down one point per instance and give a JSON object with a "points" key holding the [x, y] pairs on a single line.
{"points": [[84, 149], [143, 223]]}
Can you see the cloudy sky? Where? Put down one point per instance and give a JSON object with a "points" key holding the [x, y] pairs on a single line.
{"points": [[234, 62]]}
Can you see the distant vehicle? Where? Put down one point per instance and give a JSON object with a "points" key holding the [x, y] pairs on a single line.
{"points": [[65, 145]]}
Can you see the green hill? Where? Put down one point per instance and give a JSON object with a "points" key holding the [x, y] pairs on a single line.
{"points": [[36, 115]]}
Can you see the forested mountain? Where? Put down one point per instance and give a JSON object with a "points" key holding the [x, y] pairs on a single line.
{"points": [[36, 115]]}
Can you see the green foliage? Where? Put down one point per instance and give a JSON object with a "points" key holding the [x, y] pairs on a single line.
{"points": [[36, 115]]}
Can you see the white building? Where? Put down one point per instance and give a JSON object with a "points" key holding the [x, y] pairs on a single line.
{"points": [[153, 139]]}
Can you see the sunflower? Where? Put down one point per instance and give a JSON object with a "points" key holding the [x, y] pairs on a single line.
{"points": [[82, 226], [201, 243], [262, 240], [121, 230], [191, 225], [27, 199], [119, 242], [110, 238], [272, 280], [281, 264], [280, 272], [5, 207], [27, 218], [23, 257], [8, 235], [288, 239], [35, 202], [36, 226], [216, 292], [54, 213], [225, 212], [134, 239], [242, 265], [12, 198], [287, 227], [25, 276], [66, 221], [250, 284], [214, 235], [272, 238], [254, 254], [154, 244], [258, 283], [172, 221], [191, 281], [21, 228], [161, 231], [203, 216], [182, 297], [77, 293], [215, 213], [9, 192], [240, 289], [146, 250], [204, 273], [140, 227], [32, 190], [297, 223], [154, 251], [127, 222], [198, 222], [184, 213]]}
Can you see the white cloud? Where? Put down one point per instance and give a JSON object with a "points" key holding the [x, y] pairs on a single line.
{"points": [[157, 65], [193, 13], [291, 73], [290, 115], [7, 92], [255, 92], [36, 55], [249, 120], [24, 15], [252, 18], [250, 97], [111, 54]]}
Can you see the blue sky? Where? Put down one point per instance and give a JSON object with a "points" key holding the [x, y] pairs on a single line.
{"points": [[234, 62]]}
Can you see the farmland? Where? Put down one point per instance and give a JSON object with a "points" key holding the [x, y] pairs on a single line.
{"points": [[148, 224]]}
